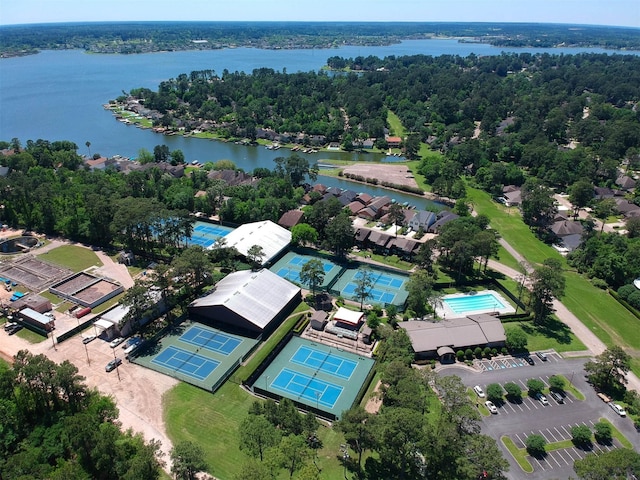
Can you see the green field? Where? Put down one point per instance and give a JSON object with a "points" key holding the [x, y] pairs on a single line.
{"points": [[554, 334], [72, 257]]}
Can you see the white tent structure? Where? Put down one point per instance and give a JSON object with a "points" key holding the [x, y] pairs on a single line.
{"points": [[271, 237]]}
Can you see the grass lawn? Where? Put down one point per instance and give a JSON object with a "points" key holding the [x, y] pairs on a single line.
{"points": [[72, 257], [554, 334], [29, 336], [391, 260], [395, 125], [519, 454]]}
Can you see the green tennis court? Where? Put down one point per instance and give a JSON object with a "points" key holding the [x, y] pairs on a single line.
{"points": [[324, 378], [196, 353]]}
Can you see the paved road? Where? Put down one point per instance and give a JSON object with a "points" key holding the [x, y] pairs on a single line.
{"points": [[586, 336]]}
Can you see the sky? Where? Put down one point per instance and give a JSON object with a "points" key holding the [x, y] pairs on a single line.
{"points": [[589, 12]]}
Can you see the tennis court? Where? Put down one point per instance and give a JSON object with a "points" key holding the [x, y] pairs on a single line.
{"points": [[206, 234], [387, 288], [324, 361], [196, 353], [290, 266], [211, 340], [187, 363], [308, 388], [315, 375]]}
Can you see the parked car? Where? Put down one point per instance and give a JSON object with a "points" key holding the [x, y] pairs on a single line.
{"points": [[492, 408], [9, 325], [542, 399], [529, 360], [131, 342], [15, 329], [479, 391], [113, 364], [88, 339], [542, 356], [618, 409], [115, 342], [557, 396]]}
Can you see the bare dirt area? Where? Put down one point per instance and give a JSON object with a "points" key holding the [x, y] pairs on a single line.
{"points": [[137, 391], [396, 174]]}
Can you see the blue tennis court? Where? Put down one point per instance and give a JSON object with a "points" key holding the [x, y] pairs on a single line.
{"points": [[307, 388], [215, 341], [324, 361], [206, 234], [290, 266], [374, 294], [187, 363]]}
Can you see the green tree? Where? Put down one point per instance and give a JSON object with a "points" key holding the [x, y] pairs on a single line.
{"points": [[257, 434], [293, 453], [538, 206], [616, 464], [556, 382], [255, 255], [419, 290], [192, 264], [396, 215], [516, 339], [187, 460], [604, 209], [254, 470], [514, 392], [535, 386], [603, 432], [312, 274], [364, 282], [609, 369], [547, 283], [357, 426], [494, 392], [536, 445], [580, 195], [304, 234], [339, 234], [581, 435]]}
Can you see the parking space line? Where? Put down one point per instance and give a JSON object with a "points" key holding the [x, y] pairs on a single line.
{"points": [[519, 439], [568, 452], [561, 455], [552, 435], [539, 464], [562, 437], [555, 459], [566, 431]]}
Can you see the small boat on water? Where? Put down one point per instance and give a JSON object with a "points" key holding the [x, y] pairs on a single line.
{"points": [[636, 283]]}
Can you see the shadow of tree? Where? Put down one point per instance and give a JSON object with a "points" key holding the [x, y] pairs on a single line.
{"points": [[552, 328]]}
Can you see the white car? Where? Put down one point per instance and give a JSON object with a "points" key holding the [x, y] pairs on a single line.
{"points": [[618, 409], [543, 400], [479, 391], [115, 342], [492, 408]]}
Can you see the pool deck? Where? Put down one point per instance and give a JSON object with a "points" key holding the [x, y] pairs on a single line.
{"points": [[445, 311]]}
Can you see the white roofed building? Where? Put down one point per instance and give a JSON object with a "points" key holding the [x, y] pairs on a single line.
{"points": [[271, 237], [247, 302]]}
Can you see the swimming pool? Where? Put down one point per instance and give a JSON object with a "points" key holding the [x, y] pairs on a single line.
{"points": [[486, 301]]}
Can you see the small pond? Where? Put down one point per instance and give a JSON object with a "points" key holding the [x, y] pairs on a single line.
{"points": [[17, 245]]}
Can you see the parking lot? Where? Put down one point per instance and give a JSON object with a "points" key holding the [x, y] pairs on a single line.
{"points": [[519, 419], [501, 363], [562, 458]]}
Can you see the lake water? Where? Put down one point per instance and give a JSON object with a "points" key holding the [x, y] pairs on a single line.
{"points": [[58, 95]]}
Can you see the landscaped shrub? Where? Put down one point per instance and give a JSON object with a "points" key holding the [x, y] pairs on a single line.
{"points": [[487, 352], [634, 299], [494, 352], [626, 290], [504, 350], [603, 433], [460, 355], [478, 352], [468, 353], [581, 435], [535, 445], [599, 283]]}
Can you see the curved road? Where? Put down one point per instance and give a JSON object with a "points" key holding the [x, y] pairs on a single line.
{"points": [[586, 336]]}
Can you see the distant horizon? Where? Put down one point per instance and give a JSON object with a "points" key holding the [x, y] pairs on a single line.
{"points": [[382, 22], [613, 13]]}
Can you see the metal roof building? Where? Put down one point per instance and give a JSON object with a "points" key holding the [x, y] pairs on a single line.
{"points": [[271, 237], [247, 302]]}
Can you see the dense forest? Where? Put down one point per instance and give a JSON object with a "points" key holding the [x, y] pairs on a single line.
{"points": [[54, 427], [142, 37], [487, 114]]}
